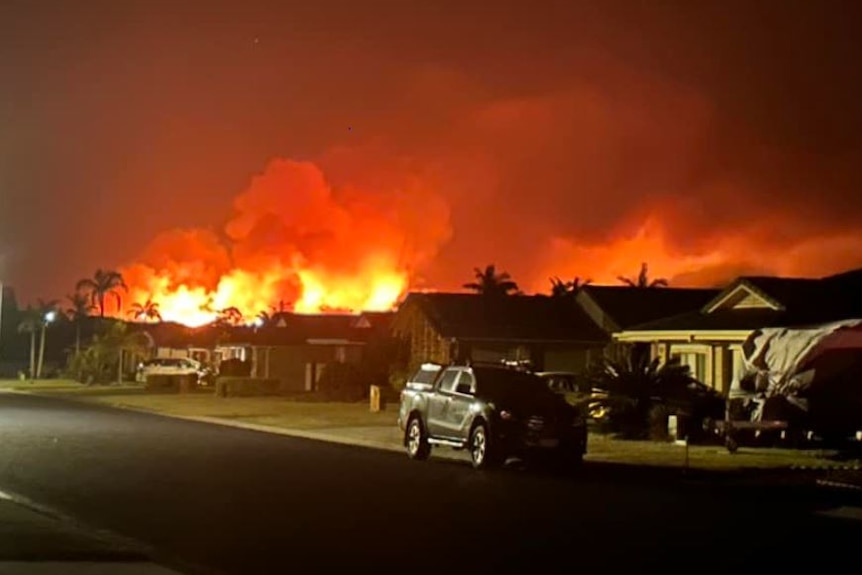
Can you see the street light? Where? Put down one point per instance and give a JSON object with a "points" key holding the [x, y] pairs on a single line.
{"points": [[50, 316]]}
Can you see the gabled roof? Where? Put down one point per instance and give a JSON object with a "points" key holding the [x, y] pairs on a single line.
{"points": [[752, 302], [628, 306], [377, 320], [297, 329], [770, 292], [515, 318]]}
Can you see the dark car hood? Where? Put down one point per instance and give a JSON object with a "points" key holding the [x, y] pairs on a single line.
{"points": [[548, 405]]}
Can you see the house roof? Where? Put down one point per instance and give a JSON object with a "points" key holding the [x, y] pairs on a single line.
{"points": [[787, 302], [176, 335], [779, 292], [629, 306], [515, 318], [376, 320], [296, 329]]}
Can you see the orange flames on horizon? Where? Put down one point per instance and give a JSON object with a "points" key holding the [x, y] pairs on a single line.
{"points": [[297, 243], [294, 242]]}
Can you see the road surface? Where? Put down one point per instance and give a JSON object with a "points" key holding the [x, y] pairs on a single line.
{"points": [[226, 501]]}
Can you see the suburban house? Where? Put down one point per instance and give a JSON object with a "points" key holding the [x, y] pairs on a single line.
{"points": [[710, 339], [618, 308], [295, 348], [551, 333], [170, 340]]}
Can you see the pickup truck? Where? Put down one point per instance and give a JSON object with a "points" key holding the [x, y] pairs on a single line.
{"points": [[493, 411]]}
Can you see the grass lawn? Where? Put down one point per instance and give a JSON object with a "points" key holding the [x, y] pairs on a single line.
{"points": [[280, 412], [63, 386], [606, 449]]}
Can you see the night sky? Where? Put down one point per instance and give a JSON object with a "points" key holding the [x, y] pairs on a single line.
{"points": [[551, 138]]}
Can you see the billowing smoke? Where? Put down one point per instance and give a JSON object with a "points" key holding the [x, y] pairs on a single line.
{"points": [[296, 241]]}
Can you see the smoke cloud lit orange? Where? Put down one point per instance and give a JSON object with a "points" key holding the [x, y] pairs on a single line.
{"points": [[294, 239], [586, 179]]}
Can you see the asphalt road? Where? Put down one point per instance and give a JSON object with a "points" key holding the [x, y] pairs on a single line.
{"points": [[220, 500]]}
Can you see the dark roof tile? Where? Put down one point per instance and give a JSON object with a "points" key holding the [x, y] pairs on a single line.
{"points": [[511, 318], [628, 306]]}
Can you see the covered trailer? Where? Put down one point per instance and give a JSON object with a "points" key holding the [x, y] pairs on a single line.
{"points": [[809, 376]]}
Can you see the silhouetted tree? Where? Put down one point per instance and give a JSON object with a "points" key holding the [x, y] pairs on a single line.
{"points": [[489, 282], [79, 307], [103, 360], [229, 316], [147, 311], [643, 280], [102, 284], [633, 386], [30, 324], [560, 288]]}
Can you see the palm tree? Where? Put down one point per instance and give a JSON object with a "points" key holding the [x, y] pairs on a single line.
{"points": [[560, 288], [229, 316], [102, 284], [263, 318], [80, 307], [489, 282], [634, 385], [643, 280], [147, 311]]}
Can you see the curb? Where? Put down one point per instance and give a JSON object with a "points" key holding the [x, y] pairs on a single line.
{"points": [[839, 485], [826, 467], [301, 433]]}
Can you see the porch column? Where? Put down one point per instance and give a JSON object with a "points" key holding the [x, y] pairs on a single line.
{"points": [[722, 369], [266, 365], [254, 360]]}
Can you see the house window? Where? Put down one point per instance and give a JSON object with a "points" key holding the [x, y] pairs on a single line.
{"points": [[696, 362]]}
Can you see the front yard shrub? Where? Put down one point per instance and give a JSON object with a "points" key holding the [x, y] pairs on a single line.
{"points": [[230, 386], [342, 382], [167, 383], [633, 386]]}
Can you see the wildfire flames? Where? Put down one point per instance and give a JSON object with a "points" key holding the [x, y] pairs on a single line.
{"points": [[295, 242]]}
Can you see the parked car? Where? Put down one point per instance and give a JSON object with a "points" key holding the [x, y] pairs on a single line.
{"points": [[577, 391], [493, 411], [171, 366]]}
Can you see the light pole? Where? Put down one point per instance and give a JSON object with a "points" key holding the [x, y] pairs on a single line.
{"points": [[50, 316]]}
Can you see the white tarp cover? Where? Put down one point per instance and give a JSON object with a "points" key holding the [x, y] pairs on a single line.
{"points": [[777, 356]]}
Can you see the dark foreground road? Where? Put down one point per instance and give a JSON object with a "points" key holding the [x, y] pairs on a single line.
{"points": [[241, 502]]}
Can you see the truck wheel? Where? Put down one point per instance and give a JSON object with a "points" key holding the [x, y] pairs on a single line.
{"points": [[417, 440], [482, 450]]}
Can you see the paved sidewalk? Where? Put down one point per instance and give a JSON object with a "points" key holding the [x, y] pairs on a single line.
{"points": [[33, 543]]}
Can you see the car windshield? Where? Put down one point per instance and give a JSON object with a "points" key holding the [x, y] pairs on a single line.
{"points": [[509, 383], [426, 375]]}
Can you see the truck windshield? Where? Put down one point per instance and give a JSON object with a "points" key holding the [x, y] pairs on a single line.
{"points": [[510, 383]]}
